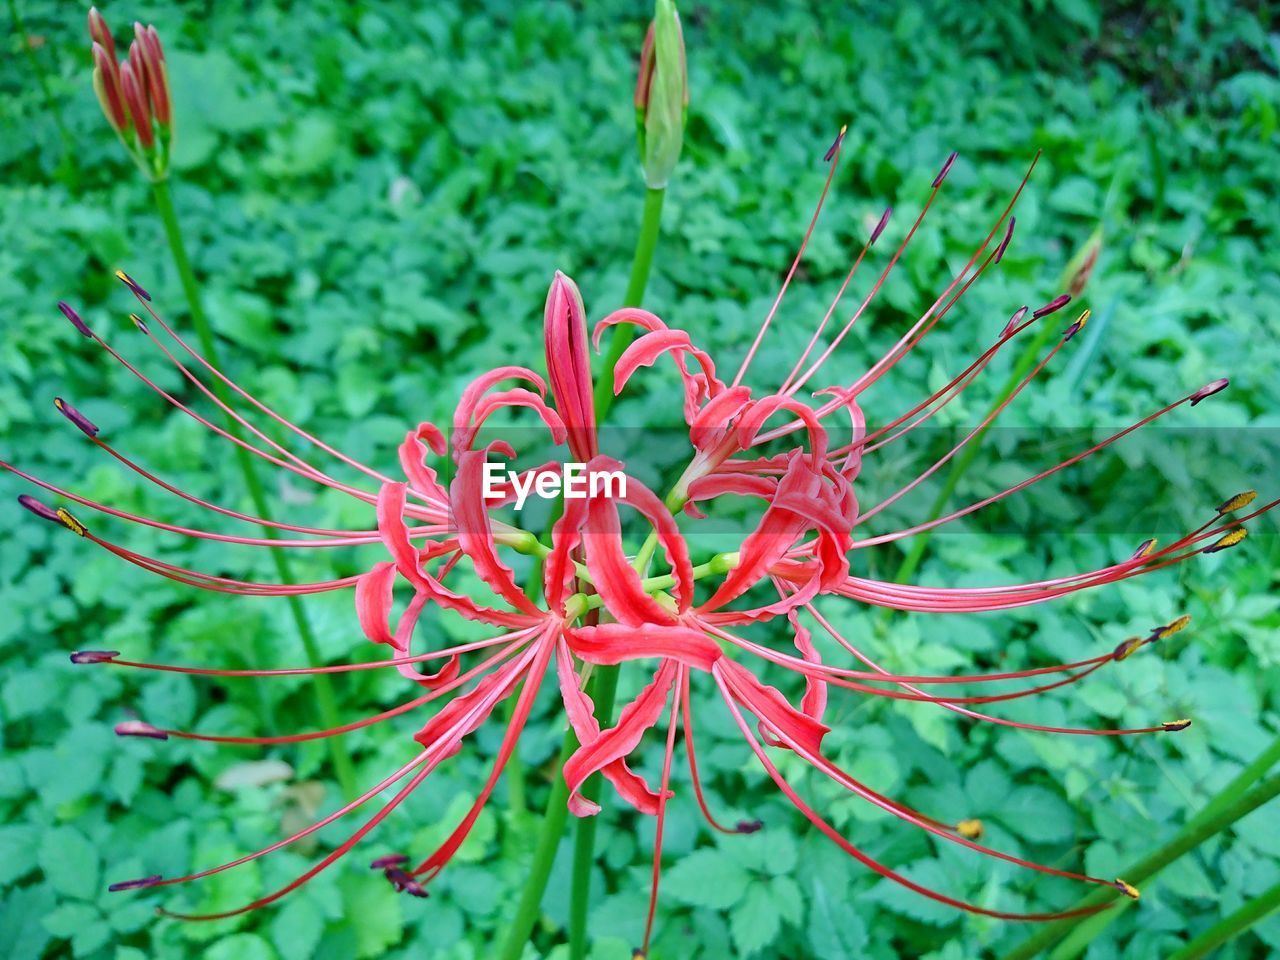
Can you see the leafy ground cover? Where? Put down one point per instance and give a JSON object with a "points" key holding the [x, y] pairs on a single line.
{"points": [[377, 195]]}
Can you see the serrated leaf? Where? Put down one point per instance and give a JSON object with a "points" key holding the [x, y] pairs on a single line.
{"points": [[706, 878], [754, 923], [69, 862], [835, 930], [296, 929]]}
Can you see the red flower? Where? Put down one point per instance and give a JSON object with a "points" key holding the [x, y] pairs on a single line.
{"points": [[599, 606]]}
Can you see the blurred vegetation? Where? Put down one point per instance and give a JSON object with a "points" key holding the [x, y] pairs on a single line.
{"points": [[377, 194]]}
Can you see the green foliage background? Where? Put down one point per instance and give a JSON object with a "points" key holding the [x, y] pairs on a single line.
{"points": [[377, 194]]}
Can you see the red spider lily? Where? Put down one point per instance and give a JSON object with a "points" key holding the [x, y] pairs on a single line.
{"points": [[600, 605]]}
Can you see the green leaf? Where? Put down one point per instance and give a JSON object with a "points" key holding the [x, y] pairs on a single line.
{"points": [[754, 923], [374, 912], [240, 946], [296, 929], [66, 920], [706, 878], [835, 930], [18, 843], [69, 862]]}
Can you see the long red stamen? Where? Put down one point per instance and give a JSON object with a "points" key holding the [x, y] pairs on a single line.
{"points": [[866, 860], [356, 724], [693, 764], [663, 795], [833, 158]]}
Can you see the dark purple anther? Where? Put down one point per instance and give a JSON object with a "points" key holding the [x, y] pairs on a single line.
{"points": [[1143, 549], [1073, 330], [132, 284], [404, 882], [884, 222], [38, 508], [70, 314], [1014, 321], [137, 322], [835, 146], [94, 656], [137, 728], [1209, 389], [749, 826], [946, 168], [1053, 306], [139, 884], [87, 426], [390, 860], [1004, 244]]}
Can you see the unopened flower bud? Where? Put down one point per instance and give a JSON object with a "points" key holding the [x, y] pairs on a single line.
{"points": [[662, 96], [99, 32], [106, 84], [1080, 267], [136, 100], [564, 330]]}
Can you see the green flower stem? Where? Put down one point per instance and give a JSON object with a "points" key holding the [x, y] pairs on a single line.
{"points": [[1215, 817], [325, 703], [1237, 923], [604, 683], [66, 164], [603, 691], [544, 856], [641, 264]]}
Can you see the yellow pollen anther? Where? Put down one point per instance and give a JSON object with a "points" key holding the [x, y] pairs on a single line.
{"points": [[1128, 889], [70, 522], [1173, 726], [844, 128], [1172, 627], [1146, 548], [1127, 647], [121, 275], [1238, 501], [1229, 540], [971, 829]]}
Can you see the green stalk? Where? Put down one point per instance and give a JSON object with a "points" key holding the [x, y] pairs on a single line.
{"points": [[1237, 923], [624, 333], [604, 684], [604, 689], [326, 704], [544, 856], [66, 165], [1214, 818]]}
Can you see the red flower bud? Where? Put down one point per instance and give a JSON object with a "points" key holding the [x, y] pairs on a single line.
{"points": [[569, 366], [99, 32], [157, 73], [137, 103], [106, 83]]}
